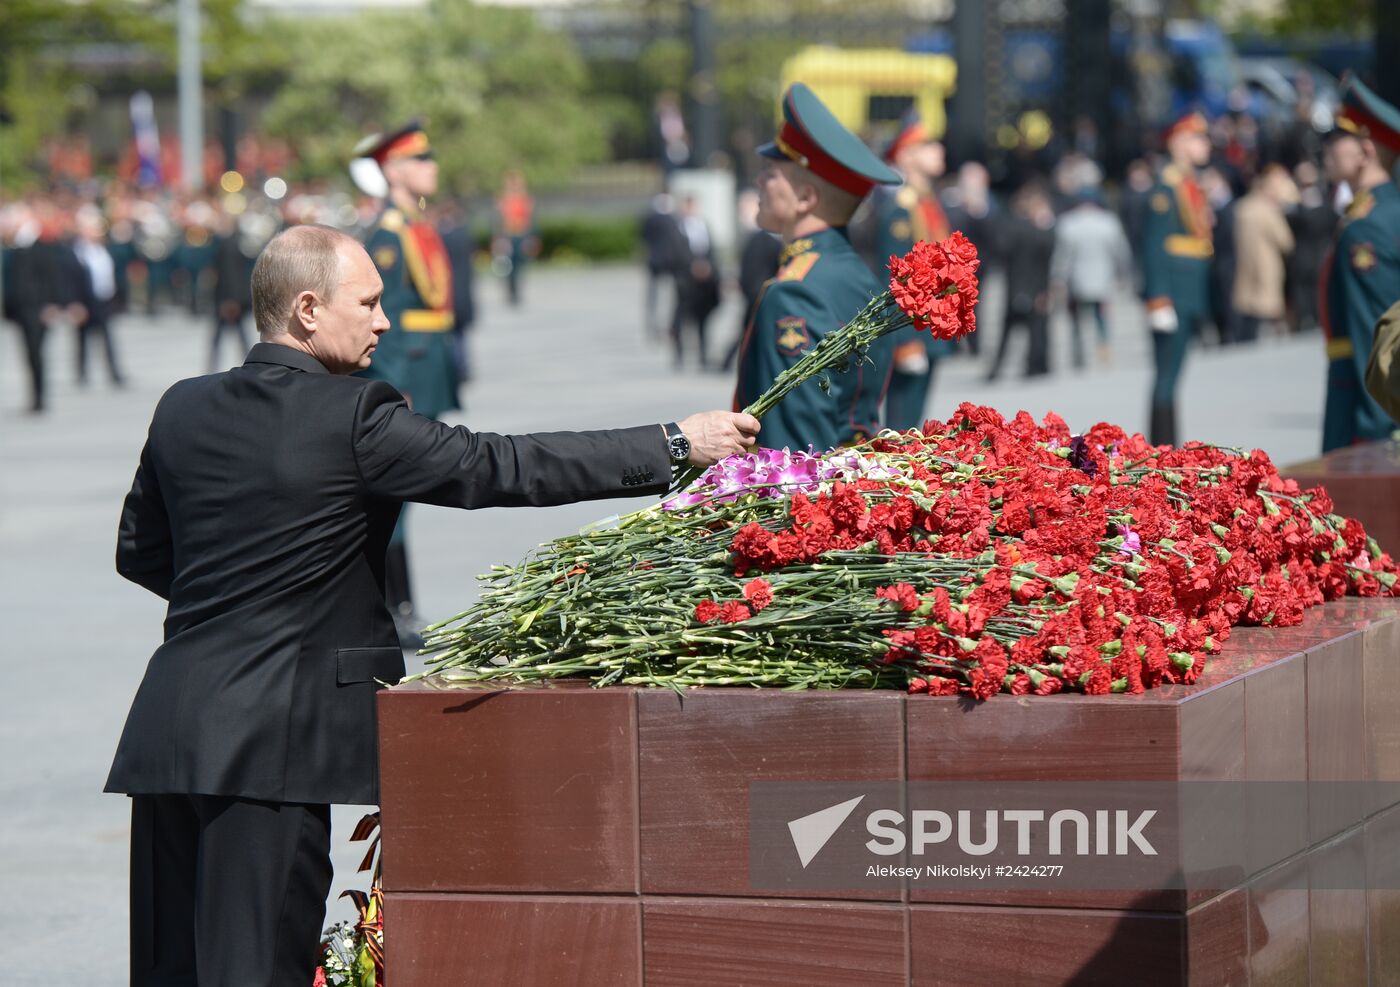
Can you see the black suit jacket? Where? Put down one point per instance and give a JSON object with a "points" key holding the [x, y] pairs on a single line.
{"points": [[261, 510]]}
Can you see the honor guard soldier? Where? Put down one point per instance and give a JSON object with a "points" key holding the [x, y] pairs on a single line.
{"points": [[1176, 257], [816, 176], [1361, 278], [416, 355], [903, 217]]}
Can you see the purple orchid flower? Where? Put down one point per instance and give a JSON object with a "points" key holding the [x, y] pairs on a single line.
{"points": [[1132, 541]]}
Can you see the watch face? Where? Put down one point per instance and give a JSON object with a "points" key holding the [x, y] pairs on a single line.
{"points": [[680, 448]]}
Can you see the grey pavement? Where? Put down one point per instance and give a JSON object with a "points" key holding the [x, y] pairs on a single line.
{"points": [[76, 637]]}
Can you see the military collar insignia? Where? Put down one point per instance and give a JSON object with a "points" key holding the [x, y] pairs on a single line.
{"points": [[791, 250], [393, 220], [1361, 206], [799, 267]]}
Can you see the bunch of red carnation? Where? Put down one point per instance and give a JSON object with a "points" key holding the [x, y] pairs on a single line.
{"points": [[1035, 561], [935, 284]]}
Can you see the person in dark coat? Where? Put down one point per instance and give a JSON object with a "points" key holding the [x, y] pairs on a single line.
{"points": [[758, 264], [458, 239], [52, 286], [261, 511], [233, 293], [99, 292], [1314, 223], [974, 211], [659, 235], [697, 282], [1030, 247]]}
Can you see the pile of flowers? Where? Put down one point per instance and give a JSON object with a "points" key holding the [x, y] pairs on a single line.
{"points": [[973, 557]]}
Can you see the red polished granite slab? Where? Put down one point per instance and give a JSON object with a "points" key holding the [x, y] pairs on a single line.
{"points": [[1276, 750], [1217, 941], [437, 940], [689, 941], [1380, 673], [700, 753], [1336, 735], [1337, 910], [1279, 936], [1382, 844], [646, 792], [509, 790], [993, 946]]}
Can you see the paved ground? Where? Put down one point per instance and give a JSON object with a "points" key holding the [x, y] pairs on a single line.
{"points": [[76, 637]]}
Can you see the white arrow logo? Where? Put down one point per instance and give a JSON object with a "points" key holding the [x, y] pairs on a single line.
{"points": [[810, 833]]}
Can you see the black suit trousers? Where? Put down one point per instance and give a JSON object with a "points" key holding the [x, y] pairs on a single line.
{"points": [[226, 891]]}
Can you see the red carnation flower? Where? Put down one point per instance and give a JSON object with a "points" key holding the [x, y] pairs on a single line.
{"points": [[734, 612], [935, 284], [707, 611], [939, 686], [759, 593], [901, 593]]}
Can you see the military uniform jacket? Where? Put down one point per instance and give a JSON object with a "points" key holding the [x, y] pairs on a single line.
{"points": [[1177, 246], [821, 285], [902, 218], [415, 355], [261, 510], [1361, 279]]}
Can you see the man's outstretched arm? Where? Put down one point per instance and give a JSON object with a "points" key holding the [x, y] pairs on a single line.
{"points": [[405, 456]]}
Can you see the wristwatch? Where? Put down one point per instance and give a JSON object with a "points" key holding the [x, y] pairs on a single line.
{"points": [[677, 445]]}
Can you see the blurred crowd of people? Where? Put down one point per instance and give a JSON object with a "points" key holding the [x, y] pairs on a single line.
{"points": [[82, 252], [1066, 241]]}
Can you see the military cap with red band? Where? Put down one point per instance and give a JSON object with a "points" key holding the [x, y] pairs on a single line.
{"points": [[813, 138], [409, 141], [1191, 123], [1365, 114], [911, 131]]}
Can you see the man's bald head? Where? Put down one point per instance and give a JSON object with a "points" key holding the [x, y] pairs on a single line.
{"points": [[300, 258]]}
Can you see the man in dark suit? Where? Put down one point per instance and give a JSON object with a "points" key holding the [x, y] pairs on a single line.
{"points": [[233, 298], [697, 282], [261, 510]]}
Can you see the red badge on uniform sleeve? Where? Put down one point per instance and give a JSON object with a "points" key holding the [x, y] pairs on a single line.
{"points": [[793, 338]]}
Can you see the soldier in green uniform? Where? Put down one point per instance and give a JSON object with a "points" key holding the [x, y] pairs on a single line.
{"points": [[816, 175], [905, 216], [1176, 255], [1361, 278], [416, 355]]}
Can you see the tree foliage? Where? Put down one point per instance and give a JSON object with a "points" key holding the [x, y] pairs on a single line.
{"points": [[496, 89]]}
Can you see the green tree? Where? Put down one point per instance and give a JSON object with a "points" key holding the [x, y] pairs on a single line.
{"points": [[35, 82], [496, 88]]}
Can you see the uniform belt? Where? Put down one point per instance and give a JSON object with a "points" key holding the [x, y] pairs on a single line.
{"points": [[1339, 349], [425, 320], [1183, 245]]}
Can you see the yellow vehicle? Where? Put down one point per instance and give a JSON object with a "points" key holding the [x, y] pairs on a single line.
{"points": [[868, 87]]}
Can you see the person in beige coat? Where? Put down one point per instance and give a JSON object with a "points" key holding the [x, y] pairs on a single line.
{"points": [[1263, 241]]}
